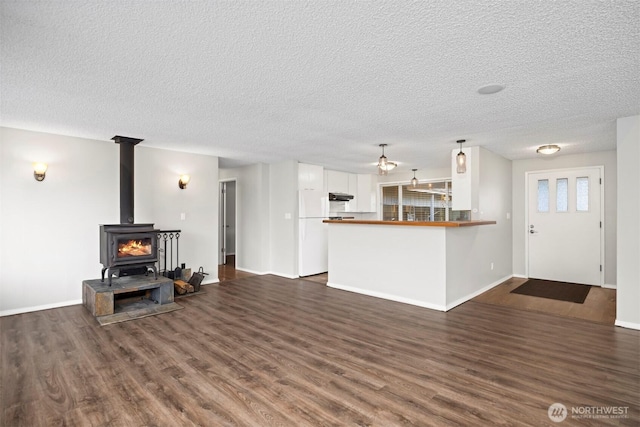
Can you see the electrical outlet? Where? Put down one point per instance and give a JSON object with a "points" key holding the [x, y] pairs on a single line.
{"points": [[183, 216], [492, 266]]}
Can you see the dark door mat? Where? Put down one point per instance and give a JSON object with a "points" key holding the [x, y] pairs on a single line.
{"points": [[561, 291]]}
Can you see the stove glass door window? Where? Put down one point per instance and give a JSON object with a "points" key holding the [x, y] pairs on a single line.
{"points": [[134, 247]]}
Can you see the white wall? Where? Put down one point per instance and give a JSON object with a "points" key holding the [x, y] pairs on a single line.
{"points": [[602, 158], [628, 268], [49, 230], [267, 242], [283, 244], [433, 267], [399, 263], [252, 227], [475, 250], [160, 201]]}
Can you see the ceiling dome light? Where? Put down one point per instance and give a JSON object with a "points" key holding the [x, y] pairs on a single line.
{"points": [[548, 149], [490, 89]]}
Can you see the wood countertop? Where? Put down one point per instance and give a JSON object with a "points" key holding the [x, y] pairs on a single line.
{"points": [[411, 223]]}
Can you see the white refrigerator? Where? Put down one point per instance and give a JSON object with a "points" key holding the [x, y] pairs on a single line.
{"points": [[312, 233]]}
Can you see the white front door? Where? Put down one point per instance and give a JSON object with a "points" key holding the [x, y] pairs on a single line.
{"points": [[564, 226]]}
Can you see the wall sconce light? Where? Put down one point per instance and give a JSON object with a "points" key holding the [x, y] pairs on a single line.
{"points": [[461, 158], [183, 181], [414, 180], [39, 171], [548, 149]]}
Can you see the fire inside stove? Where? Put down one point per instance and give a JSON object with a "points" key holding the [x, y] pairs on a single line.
{"points": [[134, 247]]}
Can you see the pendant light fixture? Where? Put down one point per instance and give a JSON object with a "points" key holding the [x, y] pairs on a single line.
{"points": [[384, 166], [461, 158], [414, 180]]}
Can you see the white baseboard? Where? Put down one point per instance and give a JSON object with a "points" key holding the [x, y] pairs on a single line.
{"points": [[476, 293], [390, 297], [39, 307], [628, 325], [246, 270], [262, 273], [287, 276], [210, 281], [607, 286], [418, 302], [519, 276]]}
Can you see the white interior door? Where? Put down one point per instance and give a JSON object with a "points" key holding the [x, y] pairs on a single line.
{"points": [[223, 223], [230, 218], [564, 226]]}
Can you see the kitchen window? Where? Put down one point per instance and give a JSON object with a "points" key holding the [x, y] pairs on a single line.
{"points": [[429, 201]]}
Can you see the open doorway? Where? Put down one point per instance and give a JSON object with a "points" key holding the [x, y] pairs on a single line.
{"points": [[227, 245]]}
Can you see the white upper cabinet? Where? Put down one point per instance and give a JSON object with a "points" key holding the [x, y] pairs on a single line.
{"points": [[337, 182], [353, 185], [366, 193], [361, 186], [310, 177]]}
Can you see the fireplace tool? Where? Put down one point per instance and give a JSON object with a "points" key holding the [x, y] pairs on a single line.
{"points": [[197, 278]]}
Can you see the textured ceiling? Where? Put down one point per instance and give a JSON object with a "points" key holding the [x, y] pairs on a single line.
{"points": [[324, 82]]}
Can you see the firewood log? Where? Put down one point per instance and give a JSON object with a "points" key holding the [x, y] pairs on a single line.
{"points": [[183, 286]]}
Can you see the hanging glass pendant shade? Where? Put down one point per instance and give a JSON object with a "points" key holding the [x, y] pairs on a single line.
{"points": [[384, 166], [461, 159], [414, 180]]}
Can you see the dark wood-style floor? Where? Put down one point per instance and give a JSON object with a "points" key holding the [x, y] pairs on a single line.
{"points": [[600, 305], [228, 271], [264, 350]]}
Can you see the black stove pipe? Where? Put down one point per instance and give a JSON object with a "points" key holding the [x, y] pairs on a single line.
{"points": [[126, 176]]}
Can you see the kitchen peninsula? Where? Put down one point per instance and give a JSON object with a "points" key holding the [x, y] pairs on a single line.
{"points": [[437, 265]]}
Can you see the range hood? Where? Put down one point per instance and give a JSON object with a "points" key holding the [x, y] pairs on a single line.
{"points": [[340, 197]]}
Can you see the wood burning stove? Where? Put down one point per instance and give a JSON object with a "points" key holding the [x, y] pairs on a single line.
{"points": [[124, 246]]}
